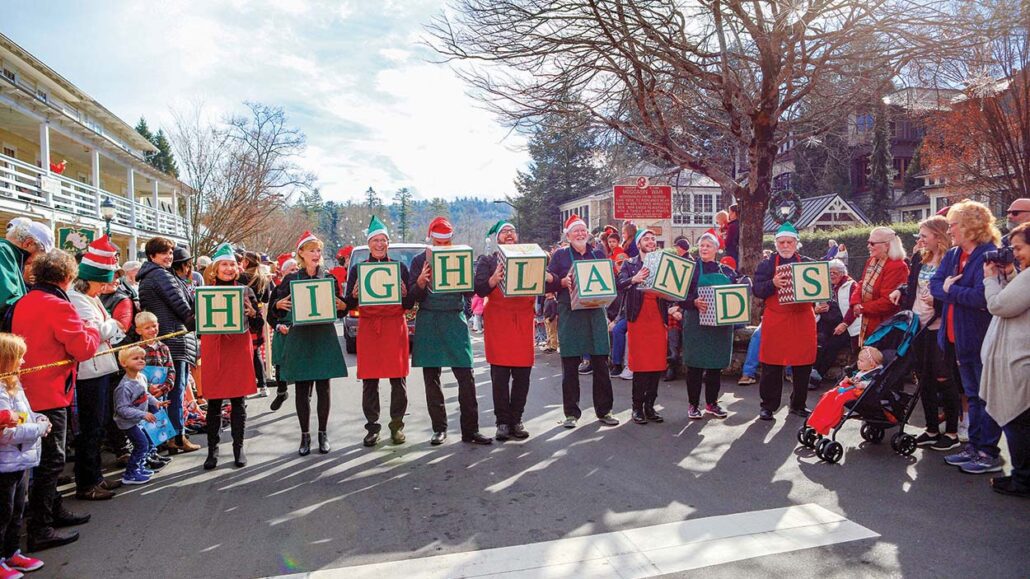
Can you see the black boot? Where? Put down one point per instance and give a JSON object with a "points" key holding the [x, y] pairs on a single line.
{"points": [[212, 457], [670, 373], [305, 444], [281, 394], [323, 443], [238, 456], [213, 438], [238, 424]]}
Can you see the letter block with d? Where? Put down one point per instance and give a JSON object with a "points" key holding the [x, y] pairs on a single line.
{"points": [[525, 269], [672, 276], [452, 269], [314, 301], [379, 283], [732, 304], [220, 310], [594, 284]]}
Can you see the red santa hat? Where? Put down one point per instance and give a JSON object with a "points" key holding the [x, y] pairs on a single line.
{"points": [[344, 252], [440, 228], [281, 259], [573, 222], [304, 238], [714, 236]]}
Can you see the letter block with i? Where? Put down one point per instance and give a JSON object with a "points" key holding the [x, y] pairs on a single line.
{"points": [[314, 301], [452, 267], [219, 310], [379, 283], [525, 270]]}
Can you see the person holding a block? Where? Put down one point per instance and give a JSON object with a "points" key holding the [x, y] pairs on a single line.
{"points": [[228, 368], [311, 355], [706, 349], [507, 336], [788, 329], [448, 344], [647, 321], [581, 332]]}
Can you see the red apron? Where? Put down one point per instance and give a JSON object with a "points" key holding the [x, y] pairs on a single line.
{"points": [[508, 330], [228, 368], [382, 343], [788, 332], [647, 338]]}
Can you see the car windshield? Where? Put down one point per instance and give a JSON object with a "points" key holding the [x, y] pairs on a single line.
{"points": [[401, 254]]}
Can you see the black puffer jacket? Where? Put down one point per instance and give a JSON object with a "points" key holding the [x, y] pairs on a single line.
{"points": [[166, 296]]}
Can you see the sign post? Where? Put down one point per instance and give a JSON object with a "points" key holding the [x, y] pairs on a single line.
{"points": [[642, 200], [379, 283], [219, 310]]}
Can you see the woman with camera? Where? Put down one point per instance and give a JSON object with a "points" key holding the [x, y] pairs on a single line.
{"points": [[1006, 355]]}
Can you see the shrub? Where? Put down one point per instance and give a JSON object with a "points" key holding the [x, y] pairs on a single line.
{"points": [[814, 243]]}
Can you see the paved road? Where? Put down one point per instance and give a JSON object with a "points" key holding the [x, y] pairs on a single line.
{"points": [[286, 514]]}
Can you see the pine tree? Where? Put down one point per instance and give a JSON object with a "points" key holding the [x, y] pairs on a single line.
{"points": [[915, 168], [880, 168], [163, 159], [439, 207], [329, 226], [402, 198], [373, 203]]}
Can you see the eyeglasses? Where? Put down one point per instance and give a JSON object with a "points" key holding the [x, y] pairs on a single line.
{"points": [[1018, 211], [874, 242]]}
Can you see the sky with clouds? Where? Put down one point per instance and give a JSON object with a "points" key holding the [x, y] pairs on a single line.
{"points": [[354, 75]]}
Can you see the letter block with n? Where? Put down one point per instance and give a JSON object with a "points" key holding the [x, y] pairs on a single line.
{"points": [[672, 278], [219, 310]]}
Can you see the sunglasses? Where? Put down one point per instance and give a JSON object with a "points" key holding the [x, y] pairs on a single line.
{"points": [[875, 242], [1018, 211]]}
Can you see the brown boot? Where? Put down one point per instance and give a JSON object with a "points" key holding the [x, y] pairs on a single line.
{"points": [[181, 444], [97, 493]]}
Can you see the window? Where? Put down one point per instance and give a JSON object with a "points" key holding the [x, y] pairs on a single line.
{"points": [[41, 94], [10, 152], [694, 208], [9, 75], [864, 123]]}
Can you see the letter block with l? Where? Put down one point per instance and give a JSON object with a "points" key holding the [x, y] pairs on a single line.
{"points": [[525, 269]]}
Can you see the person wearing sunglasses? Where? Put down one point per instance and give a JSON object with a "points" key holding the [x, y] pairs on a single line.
{"points": [[884, 271], [1018, 213]]}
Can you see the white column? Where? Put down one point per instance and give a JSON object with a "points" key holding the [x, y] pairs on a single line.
{"points": [[189, 215], [95, 157], [133, 245], [130, 187], [44, 146], [157, 187], [177, 222]]}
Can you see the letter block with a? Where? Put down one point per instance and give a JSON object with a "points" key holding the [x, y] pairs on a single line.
{"points": [[452, 267], [525, 269], [314, 301], [220, 310], [593, 284], [379, 283]]}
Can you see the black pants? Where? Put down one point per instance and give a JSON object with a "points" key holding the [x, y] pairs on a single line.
{"points": [[259, 368], [1017, 433], [281, 387], [939, 384], [370, 403], [645, 390], [13, 486], [44, 500], [237, 421], [829, 346], [303, 403], [467, 403], [602, 385], [770, 387], [509, 403], [115, 439], [92, 399], [712, 379]]}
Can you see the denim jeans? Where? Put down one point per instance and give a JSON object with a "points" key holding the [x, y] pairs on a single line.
{"points": [[751, 359], [13, 487], [140, 449], [619, 341], [182, 380], [984, 432]]}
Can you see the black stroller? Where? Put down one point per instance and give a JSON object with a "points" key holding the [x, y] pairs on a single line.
{"points": [[885, 403]]}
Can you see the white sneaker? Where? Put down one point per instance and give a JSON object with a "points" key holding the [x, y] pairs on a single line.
{"points": [[626, 374], [963, 429]]}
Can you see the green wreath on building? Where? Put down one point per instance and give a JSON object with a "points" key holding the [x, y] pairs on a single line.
{"points": [[784, 206]]}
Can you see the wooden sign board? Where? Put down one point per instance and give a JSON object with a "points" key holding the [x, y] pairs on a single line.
{"points": [[669, 275], [452, 269], [593, 284], [525, 269], [728, 305], [314, 301], [379, 283], [809, 282], [219, 310]]}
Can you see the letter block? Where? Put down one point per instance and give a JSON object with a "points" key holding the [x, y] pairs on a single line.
{"points": [[219, 310], [379, 283], [525, 270], [810, 282], [670, 275], [452, 269], [314, 301], [729, 304], [593, 283]]}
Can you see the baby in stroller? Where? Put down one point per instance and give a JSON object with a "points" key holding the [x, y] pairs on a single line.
{"points": [[830, 409]]}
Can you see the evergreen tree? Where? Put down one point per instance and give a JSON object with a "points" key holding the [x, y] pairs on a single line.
{"points": [[439, 207], [329, 227], [311, 202], [163, 159], [402, 199], [915, 167], [880, 168], [373, 203]]}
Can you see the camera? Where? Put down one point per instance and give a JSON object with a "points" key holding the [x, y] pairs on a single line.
{"points": [[1003, 257]]}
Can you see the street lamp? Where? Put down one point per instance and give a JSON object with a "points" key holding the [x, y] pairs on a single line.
{"points": [[107, 212]]}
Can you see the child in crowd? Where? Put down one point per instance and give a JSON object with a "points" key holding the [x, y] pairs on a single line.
{"points": [[20, 431], [132, 403], [157, 356], [551, 322], [828, 411]]}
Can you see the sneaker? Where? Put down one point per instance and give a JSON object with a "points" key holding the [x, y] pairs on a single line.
{"points": [[7, 572], [715, 410], [983, 463], [963, 429], [155, 465], [694, 413], [746, 381], [927, 439], [626, 374], [584, 368], [135, 478], [960, 458], [21, 562], [146, 472], [569, 422], [615, 370], [945, 442], [608, 420]]}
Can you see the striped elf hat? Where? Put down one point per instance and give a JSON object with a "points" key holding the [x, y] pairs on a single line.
{"points": [[100, 261], [223, 253]]}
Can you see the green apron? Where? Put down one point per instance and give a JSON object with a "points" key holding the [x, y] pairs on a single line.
{"points": [[310, 352], [441, 333], [279, 342], [708, 347], [581, 332]]}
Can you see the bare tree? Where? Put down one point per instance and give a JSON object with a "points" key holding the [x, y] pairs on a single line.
{"points": [[713, 86], [242, 172]]}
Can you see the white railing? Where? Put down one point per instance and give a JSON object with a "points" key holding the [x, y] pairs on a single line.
{"points": [[20, 181]]}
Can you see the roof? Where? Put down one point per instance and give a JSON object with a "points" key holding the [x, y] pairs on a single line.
{"points": [[811, 209], [912, 199]]}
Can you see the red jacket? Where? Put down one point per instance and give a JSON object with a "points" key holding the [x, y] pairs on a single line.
{"points": [[879, 308], [53, 331]]}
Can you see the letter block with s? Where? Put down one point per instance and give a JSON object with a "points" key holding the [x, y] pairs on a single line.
{"points": [[379, 283]]}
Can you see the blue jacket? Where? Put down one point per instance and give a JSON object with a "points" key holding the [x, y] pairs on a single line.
{"points": [[966, 297]]}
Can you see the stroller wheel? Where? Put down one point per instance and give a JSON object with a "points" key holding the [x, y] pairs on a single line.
{"points": [[802, 432], [872, 433], [820, 447], [895, 441], [811, 437], [906, 445], [833, 452]]}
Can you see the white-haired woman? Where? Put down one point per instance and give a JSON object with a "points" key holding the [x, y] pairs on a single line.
{"points": [[884, 271], [833, 335]]}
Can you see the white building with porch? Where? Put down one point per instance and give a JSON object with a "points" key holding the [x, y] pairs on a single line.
{"points": [[68, 161]]}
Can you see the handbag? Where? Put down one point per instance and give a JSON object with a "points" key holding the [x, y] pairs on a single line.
{"points": [[99, 365], [159, 431]]}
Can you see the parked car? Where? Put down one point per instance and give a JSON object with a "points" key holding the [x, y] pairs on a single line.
{"points": [[402, 252]]}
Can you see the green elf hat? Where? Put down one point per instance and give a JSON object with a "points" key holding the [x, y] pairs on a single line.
{"points": [[376, 227], [787, 230], [640, 235], [223, 253], [491, 236], [99, 262]]}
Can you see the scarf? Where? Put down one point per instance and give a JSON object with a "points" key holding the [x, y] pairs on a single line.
{"points": [[873, 269]]}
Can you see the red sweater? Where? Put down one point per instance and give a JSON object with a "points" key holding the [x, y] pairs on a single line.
{"points": [[53, 331]]}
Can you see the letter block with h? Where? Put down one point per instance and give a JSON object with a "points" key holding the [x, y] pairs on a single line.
{"points": [[452, 269], [219, 310]]}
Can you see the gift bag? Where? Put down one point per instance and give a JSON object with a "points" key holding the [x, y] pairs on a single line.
{"points": [[159, 431]]}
